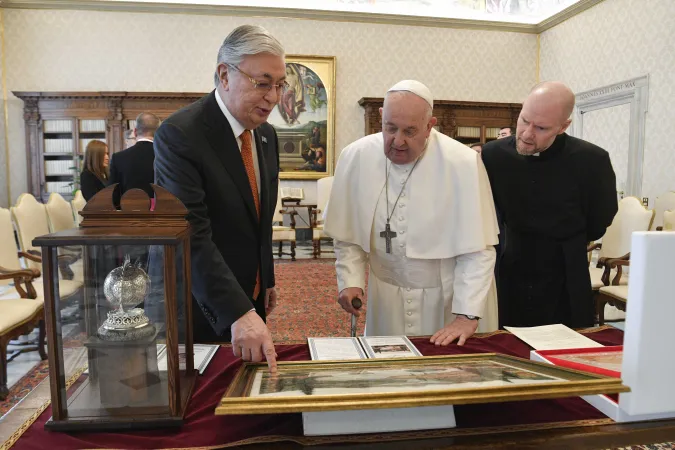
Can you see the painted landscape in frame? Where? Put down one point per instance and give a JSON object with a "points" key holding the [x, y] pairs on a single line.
{"points": [[310, 386], [304, 118]]}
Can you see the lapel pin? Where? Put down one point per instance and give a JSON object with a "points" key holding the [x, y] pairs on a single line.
{"points": [[264, 139]]}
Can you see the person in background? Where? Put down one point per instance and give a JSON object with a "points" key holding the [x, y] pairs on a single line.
{"points": [[94, 175], [477, 147], [505, 132], [554, 194], [134, 168]]}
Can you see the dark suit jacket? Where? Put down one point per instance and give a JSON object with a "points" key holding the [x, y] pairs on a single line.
{"points": [[90, 184], [133, 168], [198, 160]]}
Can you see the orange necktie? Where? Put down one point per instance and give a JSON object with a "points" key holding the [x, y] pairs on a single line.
{"points": [[247, 158]]}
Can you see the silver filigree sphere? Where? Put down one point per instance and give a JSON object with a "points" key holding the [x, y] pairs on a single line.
{"points": [[125, 287]]}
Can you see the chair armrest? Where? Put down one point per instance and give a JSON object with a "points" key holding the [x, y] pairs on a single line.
{"points": [[617, 264], [659, 228], [21, 276], [33, 255], [593, 246], [292, 213]]}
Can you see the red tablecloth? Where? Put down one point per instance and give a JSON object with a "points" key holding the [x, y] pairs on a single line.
{"points": [[204, 429]]}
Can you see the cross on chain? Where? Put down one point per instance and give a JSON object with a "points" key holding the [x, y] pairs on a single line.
{"points": [[387, 234]]}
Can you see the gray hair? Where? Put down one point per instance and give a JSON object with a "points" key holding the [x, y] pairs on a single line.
{"points": [[146, 124], [244, 41]]}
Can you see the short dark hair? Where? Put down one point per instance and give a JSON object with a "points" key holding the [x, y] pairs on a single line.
{"points": [[511, 129], [475, 144]]}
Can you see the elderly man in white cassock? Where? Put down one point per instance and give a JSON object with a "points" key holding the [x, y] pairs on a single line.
{"points": [[416, 206]]}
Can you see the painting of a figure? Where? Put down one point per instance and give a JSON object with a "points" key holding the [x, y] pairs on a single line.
{"points": [[304, 118]]}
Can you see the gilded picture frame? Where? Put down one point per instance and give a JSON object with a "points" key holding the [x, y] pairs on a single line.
{"points": [[313, 386], [304, 118]]}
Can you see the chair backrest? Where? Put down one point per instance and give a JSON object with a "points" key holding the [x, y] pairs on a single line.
{"points": [[278, 217], [323, 187], [8, 250], [30, 219], [665, 202], [78, 203], [632, 216], [669, 220], [59, 213]]}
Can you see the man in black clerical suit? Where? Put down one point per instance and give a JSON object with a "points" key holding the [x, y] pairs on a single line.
{"points": [[554, 193], [220, 157], [134, 168]]}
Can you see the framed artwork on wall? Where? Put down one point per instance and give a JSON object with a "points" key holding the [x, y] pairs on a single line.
{"points": [[304, 118]]}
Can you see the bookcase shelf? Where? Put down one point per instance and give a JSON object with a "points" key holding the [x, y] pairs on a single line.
{"points": [[59, 125]]}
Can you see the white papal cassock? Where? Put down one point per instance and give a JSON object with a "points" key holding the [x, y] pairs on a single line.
{"points": [[442, 259]]}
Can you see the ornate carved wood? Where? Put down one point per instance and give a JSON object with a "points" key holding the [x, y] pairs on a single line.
{"points": [[116, 108], [451, 115]]}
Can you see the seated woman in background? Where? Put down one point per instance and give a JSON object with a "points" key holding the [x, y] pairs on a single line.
{"points": [[94, 176]]}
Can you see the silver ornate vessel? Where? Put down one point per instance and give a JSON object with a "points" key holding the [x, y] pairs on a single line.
{"points": [[124, 288]]}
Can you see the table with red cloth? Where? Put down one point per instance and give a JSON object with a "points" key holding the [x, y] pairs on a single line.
{"points": [[204, 430]]}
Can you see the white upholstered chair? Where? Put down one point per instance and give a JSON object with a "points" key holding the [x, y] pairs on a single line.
{"points": [[323, 188], [665, 202], [21, 309], [669, 220], [59, 213], [281, 233], [30, 218], [77, 204], [631, 216], [615, 254]]}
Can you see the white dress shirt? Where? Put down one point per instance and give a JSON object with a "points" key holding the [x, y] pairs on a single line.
{"points": [[237, 129]]}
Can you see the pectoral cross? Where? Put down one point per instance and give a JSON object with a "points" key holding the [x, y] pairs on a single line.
{"points": [[387, 234]]}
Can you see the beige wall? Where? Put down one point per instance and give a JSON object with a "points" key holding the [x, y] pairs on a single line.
{"points": [[4, 199], [618, 40], [85, 50]]}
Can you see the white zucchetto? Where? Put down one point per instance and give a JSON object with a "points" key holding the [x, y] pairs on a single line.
{"points": [[416, 88]]}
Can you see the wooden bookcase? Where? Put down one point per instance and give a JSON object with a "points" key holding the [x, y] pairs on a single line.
{"points": [[60, 124], [466, 122]]}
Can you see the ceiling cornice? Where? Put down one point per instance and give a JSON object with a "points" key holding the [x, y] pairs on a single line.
{"points": [[304, 14]]}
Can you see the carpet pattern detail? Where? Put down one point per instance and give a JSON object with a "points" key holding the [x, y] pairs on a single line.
{"points": [[22, 387]]}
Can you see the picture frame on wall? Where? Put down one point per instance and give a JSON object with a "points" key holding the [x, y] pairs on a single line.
{"points": [[304, 118], [315, 386]]}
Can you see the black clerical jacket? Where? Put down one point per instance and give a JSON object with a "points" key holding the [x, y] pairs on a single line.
{"points": [[551, 206]]}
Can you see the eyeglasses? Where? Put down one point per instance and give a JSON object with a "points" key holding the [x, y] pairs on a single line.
{"points": [[262, 86]]}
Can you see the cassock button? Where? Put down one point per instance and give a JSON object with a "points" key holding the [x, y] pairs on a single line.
{"points": [[401, 205], [409, 313], [401, 244], [409, 301], [407, 289], [402, 231], [410, 325], [400, 217], [402, 181]]}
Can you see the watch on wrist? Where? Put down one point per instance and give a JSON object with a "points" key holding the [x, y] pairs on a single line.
{"points": [[469, 317]]}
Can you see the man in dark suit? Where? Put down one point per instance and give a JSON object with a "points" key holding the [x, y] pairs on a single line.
{"points": [[134, 167], [220, 158]]}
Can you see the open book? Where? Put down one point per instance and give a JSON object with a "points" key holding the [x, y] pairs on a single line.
{"points": [[341, 348], [291, 193]]}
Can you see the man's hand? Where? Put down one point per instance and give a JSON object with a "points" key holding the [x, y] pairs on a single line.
{"points": [[345, 299], [461, 328], [270, 300], [251, 340]]}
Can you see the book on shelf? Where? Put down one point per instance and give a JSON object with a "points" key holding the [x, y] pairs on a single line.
{"points": [[292, 193]]}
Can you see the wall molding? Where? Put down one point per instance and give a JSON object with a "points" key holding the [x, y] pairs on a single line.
{"points": [[634, 92], [290, 13]]}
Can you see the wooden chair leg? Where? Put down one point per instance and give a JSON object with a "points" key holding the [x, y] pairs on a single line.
{"points": [[4, 391], [318, 248], [280, 248], [42, 334], [600, 309], [292, 251]]}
